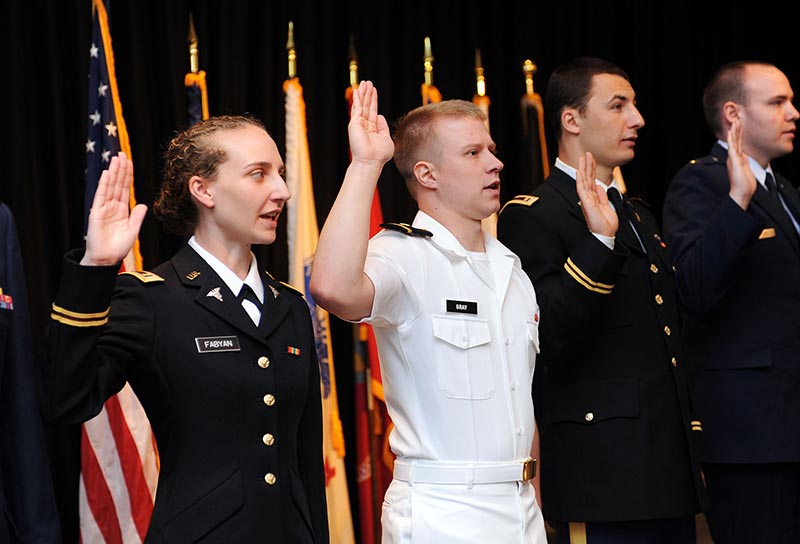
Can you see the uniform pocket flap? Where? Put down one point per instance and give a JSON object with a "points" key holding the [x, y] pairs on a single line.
{"points": [[591, 403], [461, 332], [207, 511]]}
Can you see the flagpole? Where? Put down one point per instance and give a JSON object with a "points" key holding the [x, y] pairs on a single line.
{"points": [[480, 99], [195, 79], [533, 98], [429, 92]]}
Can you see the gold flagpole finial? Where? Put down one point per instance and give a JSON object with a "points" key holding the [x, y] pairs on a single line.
{"points": [[428, 62], [194, 52], [353, 63], [528, 68], [291, 52], [480, 80]]}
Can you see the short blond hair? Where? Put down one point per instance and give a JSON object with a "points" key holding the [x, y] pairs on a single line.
{"points": [[414, 133]]}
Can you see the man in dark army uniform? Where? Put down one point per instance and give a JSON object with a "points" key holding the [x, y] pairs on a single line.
{"points": [[221, 355], [618, 437]]}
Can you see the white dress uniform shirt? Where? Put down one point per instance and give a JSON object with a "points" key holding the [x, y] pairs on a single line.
{"points": [[457, 335]]}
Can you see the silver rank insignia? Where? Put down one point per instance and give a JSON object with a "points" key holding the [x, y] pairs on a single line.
{"points": [[275, 292]]}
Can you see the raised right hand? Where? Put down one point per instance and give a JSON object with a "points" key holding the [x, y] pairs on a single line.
{"points": [[113, 227], [743, 182], [598, 212], [370, 140]]}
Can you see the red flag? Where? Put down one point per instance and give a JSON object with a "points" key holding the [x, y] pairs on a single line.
{"points": [[119, 460], [374, 464]]}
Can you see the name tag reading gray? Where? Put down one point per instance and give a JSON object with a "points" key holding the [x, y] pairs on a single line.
{"points": [[462, 307], [210, 344]]}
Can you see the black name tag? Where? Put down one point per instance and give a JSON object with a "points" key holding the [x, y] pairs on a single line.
{"points": [[462, 307], [210, 344]]}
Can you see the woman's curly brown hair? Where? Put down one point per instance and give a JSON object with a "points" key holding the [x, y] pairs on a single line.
{"points": [[194, 151]]}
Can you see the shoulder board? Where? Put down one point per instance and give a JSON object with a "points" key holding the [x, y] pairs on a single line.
{"points": [[293, 289], [710, 159], [143, 276], [405, 228], [641, 201], [524, 200]]}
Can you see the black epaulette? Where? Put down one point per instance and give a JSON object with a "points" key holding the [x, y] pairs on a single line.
{"points": [[709, 159], [143, 276], [405, 228], [293, 289], [524, 200], [637, 200]]}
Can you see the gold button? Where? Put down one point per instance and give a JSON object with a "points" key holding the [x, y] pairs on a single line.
{"points": [[270, 478], [653, 268], [674, 362], [269, 399], [589, 416], [659, 300], [667, 330], [268, 439], [263, 362]]}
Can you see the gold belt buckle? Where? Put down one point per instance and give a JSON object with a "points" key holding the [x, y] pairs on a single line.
{"points": [[528, 469]]}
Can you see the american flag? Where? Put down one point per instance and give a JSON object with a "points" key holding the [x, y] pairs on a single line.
{"points": [[119, 460]]}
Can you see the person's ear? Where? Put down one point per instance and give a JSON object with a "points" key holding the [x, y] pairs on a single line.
{"points": [[200, 189], [425, 172], [570, 121], [731, 111]]}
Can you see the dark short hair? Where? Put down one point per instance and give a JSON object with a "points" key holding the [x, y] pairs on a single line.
{"points": [[570, 84], [195, 151], [727, 84]]}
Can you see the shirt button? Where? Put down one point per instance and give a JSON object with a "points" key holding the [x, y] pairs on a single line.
{"points": [[268, 439], [589, 416], [508, 341], [667, 330], [659, 300], [653, 268], [269, 399], [513, 386], [263, 362], [519, 431], [270, 478]]}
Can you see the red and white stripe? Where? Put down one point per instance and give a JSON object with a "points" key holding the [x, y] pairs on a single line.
{"points": [[119, 473]]}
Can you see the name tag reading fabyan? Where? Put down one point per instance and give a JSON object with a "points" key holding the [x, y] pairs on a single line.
{"points": [[462, 306], [210, 344]]}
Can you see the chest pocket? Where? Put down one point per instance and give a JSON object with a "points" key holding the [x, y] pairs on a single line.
{"points": [[462, 356]]}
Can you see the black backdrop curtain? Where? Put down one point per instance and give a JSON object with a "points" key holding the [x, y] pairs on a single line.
{"points": [[668, 48]]}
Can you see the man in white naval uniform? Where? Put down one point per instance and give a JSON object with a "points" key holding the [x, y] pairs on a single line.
{"points": [[456, 321]]}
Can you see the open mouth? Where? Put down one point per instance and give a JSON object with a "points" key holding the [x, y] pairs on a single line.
{"points": [[273, 215]]}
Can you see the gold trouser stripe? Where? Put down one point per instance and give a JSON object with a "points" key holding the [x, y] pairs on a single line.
{"points": [[80, 315], [77, 323], [577, 532], [580, 277]]}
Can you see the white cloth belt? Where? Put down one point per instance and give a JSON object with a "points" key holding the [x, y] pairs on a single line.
{"points": [[446, 472]]}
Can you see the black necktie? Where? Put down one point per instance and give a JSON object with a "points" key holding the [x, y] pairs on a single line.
{"points": [[623, 213], [247, 293], [773, 189], [776, 196]]}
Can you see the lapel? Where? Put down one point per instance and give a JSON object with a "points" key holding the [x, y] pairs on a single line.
{"points": [[565, 186], [211, 292], [276, 304], [790, 197], [767, 205]]}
